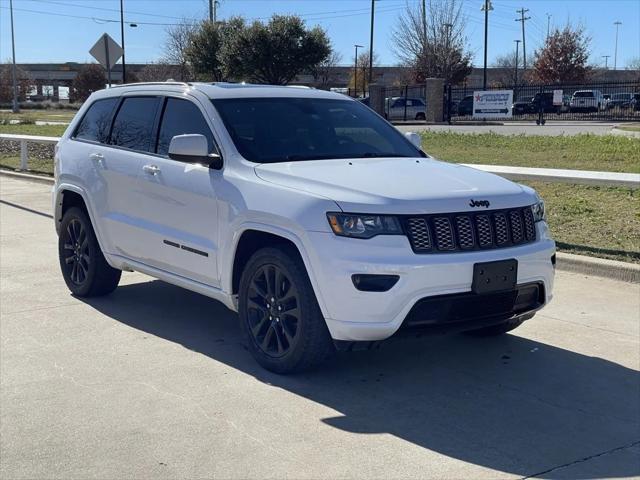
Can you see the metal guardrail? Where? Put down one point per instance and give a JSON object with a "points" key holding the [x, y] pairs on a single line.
{"points": [[24, 140], [581, 177]]}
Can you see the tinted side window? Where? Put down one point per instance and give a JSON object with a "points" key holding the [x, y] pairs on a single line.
{"points": [[180, 117], [133, 126], [96, 121]]}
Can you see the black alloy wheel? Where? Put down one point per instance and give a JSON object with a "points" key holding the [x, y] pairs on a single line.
{"points": [[76, 247], [273, 311]]}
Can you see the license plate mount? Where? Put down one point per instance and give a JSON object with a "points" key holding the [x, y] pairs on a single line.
{"points": [[498, 276]]}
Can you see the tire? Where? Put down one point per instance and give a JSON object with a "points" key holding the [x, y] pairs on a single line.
{"points": [[281, 319], [420, 116], [499, 329], [83, 266]]}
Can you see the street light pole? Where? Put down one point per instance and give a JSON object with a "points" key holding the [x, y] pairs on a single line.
{"points": [[373, 8], [355, 73], [15, 107], [486, 7], [124, 76], [615, 55]]}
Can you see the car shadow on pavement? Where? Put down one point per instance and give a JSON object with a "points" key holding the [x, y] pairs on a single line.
{"points": [[509, 403]]}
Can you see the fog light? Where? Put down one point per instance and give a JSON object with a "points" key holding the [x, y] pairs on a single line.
{"points": [[374, 283]]}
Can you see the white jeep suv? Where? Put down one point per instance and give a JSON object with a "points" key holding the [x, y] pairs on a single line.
{"points": [[302, 210]]}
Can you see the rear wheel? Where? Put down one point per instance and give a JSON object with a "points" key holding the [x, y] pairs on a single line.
{"points": [[279, 313], [84, 268], [420, 116]]}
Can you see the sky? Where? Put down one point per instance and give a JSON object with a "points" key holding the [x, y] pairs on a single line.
{"points": [[59, 31]]}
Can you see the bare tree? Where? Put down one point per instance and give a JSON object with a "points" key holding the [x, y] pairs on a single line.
{"points": [[177, 43], [435, 45], [324, 74], [159, 72], [506, 74], [25, 84], [363, 71]]}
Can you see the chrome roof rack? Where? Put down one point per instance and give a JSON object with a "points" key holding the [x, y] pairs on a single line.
{"points": [[149, 83]]}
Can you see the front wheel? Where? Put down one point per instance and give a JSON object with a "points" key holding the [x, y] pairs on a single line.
{"points": [[84, 268], [279, 313]]}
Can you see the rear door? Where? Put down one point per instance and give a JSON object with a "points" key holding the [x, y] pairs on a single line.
{"points": [[111, 172], [130, 142], [178, 199]]}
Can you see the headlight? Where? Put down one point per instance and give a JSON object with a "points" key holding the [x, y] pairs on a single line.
{"points": [[363, 225], [539, 213]]}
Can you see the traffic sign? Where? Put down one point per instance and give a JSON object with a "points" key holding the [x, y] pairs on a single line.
{"points": [[106, 51]]}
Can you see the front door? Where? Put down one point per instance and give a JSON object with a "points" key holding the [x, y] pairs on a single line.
{"points": [[178, 200]]}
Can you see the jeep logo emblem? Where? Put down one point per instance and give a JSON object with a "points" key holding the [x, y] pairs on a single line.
{"points": [[479, 203]]}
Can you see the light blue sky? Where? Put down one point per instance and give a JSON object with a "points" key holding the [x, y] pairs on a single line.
{"points": [[54, 37]]}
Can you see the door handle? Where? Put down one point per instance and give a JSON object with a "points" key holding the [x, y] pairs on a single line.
{"points": [[97, 157], [151, 169]]}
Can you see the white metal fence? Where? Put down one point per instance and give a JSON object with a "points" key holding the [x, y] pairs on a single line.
{"points": [[580, 177]]}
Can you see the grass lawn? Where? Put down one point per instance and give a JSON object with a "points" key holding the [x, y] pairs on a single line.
{"points": [[580, 152], [31, 116], [30, 129], [596, 221], [36, 165]]}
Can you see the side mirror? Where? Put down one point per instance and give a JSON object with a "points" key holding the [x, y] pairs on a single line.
{"points": [[193, 148], [415, 139]]}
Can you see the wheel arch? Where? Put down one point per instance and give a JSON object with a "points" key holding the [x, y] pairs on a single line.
{"points": [[252, 238], [69, 195]]}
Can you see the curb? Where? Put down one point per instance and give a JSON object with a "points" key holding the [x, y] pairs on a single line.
{"points": [[27, 176], [625, 133], [569, 262], [600, 267]]}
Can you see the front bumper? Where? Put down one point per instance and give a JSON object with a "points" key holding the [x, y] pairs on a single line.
{"points": [[354, 315]]}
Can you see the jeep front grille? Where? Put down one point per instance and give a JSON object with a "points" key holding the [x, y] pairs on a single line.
{"points": [[442, 233]]}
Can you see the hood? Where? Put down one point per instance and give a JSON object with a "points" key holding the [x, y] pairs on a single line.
{"points": [[397, 185]]}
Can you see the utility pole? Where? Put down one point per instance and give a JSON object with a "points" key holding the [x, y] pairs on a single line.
{"points": [[522, 19], [606, 61], [447, 27], [15, 106], [548, 23], [615, 55], [355, 73], [373, 8], [124, 76], [516, 76], [485, 8], [424, 39]]}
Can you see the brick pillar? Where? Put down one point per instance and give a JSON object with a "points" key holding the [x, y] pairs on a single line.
{"points": [[435, 96], [376, 98]]}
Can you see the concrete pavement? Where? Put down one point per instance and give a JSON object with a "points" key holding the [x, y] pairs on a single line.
{"points": [[155, 382]]}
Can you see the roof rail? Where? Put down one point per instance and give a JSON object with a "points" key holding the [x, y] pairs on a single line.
{"points": [[149, 83]]}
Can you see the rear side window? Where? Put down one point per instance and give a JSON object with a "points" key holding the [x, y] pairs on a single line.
{"points": [[583, 94], [134, 122], [95, 124], [181, 117]]}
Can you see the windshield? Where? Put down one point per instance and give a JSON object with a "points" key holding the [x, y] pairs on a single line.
{"points": [[269, 130], [583, 94]]}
